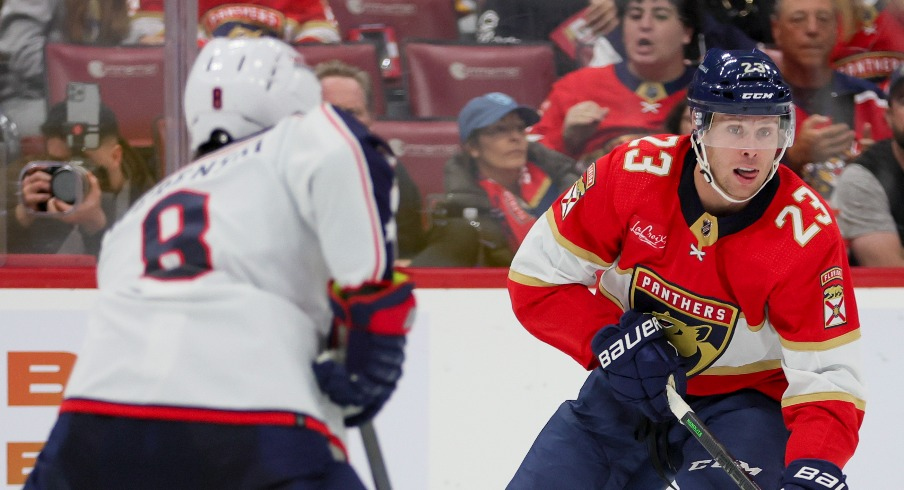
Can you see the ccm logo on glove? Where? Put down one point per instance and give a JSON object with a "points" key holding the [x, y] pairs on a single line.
{"points": [[641, 332]]}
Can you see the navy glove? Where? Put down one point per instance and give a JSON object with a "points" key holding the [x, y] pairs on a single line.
{"points": [[813, 474], [370, 325], [637, 360]]}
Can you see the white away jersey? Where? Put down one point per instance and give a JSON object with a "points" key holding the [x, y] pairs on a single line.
{"points": [[213, 286]]}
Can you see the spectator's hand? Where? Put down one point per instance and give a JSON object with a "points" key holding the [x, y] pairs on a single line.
{"points": [[35, 188], [89, 214], [580, 123], [819, 140], [602, 16]]}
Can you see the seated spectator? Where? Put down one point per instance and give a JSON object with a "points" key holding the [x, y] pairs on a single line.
{"points": [[349, 88], [495, 188], [592, 26], [869, 195], [870, 40], [27, 25], [591, 110], [293, 21], [838, 116], [46, 224]]}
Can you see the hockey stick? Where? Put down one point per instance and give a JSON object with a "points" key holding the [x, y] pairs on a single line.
{"points": [[374, 456], [699, 430]]}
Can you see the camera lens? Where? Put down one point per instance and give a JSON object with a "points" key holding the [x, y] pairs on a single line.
{"points": [[63, 185]]}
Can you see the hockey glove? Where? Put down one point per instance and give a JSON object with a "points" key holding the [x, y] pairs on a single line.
{"points": [[813, 474], [370, 324], [637, 360]]}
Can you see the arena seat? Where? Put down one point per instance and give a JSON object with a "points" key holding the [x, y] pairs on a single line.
{"points": [[440, 78], [434, 19], [130, 80], [360, 54], [422, 146]]}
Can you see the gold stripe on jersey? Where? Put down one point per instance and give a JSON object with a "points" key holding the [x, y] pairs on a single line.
{"points": [[824, 396], [706, 230], [528, 280], [753, 328], [824, 345], [571, 247]]}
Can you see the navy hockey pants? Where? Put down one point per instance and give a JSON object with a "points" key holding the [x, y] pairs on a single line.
{"points": [[592, 443], [98, 452]]}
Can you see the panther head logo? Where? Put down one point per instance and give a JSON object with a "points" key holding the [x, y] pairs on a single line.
{"points": [[691, 341]]}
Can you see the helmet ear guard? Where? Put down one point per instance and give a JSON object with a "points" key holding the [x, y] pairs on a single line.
{"points": [[243, 86], [739, 83]]}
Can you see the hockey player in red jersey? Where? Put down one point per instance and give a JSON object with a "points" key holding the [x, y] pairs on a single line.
{"points": [[713, 264], [247, 308]]}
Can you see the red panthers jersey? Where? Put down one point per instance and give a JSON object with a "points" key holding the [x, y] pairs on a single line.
{"points": [[874, 51], [636, 107], [761, 299], [293, 21]]}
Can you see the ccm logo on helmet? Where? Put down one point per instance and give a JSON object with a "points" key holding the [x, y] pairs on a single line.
{"points": [[756, 96]]}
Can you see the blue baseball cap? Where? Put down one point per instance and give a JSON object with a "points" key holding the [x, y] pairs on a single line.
{"points": [[485, 110]]}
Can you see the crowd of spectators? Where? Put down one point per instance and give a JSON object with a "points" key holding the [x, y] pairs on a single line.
{"points": [[622, 65]]}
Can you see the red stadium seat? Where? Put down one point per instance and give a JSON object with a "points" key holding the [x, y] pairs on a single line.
{"points": [[130, 81], [433, 19], [423, 148], [442, 77], [360, 54]]}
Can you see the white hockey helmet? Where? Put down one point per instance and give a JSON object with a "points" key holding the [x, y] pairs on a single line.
{"points": [[243, 86]]}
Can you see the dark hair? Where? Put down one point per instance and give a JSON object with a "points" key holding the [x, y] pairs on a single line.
{"points": [[691, 15]]}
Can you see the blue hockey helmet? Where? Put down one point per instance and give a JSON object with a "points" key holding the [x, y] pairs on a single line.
{"points": [[739, 83]]}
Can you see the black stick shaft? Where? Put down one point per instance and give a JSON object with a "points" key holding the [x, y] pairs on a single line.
{"points": [[374, 456], [701, 432]]}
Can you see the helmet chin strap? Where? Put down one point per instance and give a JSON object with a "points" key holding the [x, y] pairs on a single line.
{"points": [[702, 160]]}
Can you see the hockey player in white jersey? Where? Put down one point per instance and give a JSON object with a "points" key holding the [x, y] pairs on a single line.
{"points": [[229, 291]]}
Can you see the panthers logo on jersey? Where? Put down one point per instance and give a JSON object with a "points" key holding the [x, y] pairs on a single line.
{"points": [[700, 328]]}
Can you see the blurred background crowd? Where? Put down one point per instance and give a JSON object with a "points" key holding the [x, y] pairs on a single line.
{"points": [[492, 107]]}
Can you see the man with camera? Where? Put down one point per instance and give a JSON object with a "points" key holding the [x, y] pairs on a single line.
{"points": [[87, 179]]}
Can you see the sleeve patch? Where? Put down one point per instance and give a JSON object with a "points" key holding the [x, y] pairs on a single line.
{"points": [[574, 194], [833, 297]]}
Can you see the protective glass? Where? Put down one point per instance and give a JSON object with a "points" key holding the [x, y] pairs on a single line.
{"points": [[746, 132]]}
